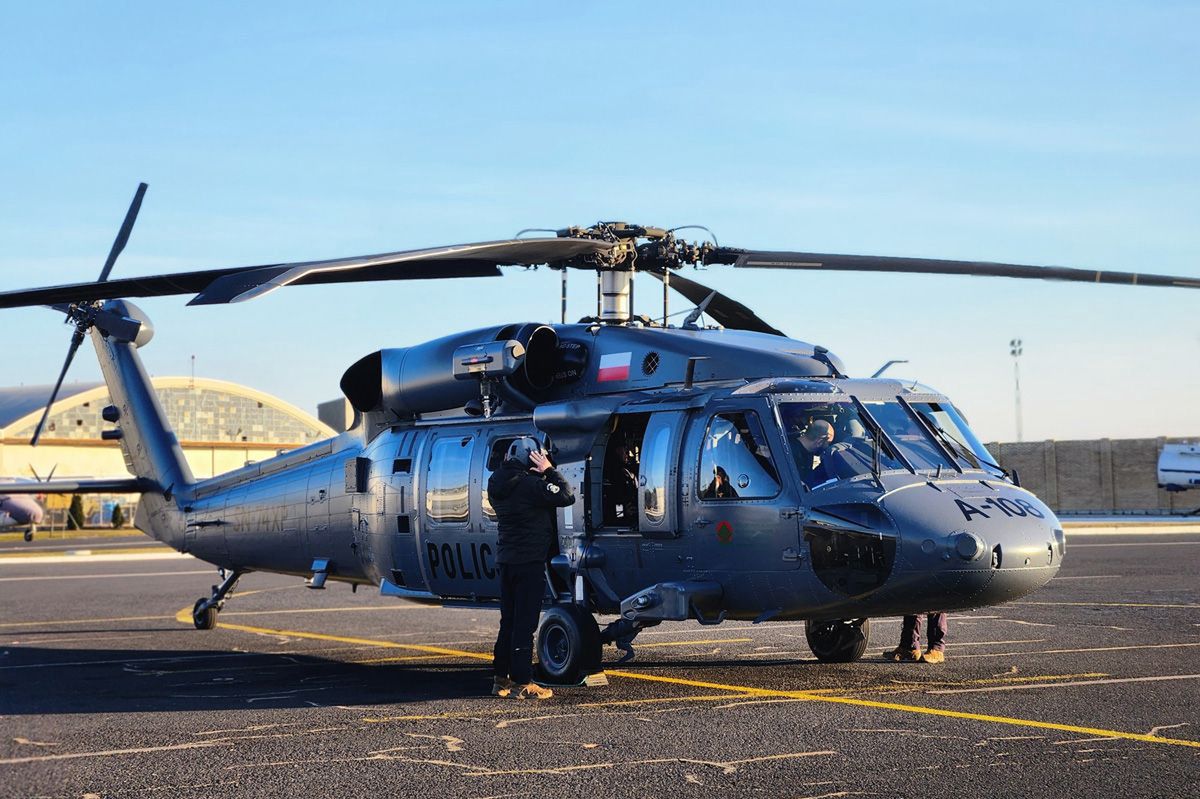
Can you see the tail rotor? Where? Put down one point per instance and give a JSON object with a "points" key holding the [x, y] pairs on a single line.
{"points": [[85, 315]]}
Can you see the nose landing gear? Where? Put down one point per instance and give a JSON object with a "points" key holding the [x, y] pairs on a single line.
{"points": [[839, 640], [204, 612]]}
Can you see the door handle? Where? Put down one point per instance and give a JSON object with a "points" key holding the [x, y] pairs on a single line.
{"points": [[702, 522]]}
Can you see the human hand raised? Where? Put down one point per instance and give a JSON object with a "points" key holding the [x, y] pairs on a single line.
{"points": [[538, 462]]}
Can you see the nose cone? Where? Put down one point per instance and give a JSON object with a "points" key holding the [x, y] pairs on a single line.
{"points": [[970, 544]]}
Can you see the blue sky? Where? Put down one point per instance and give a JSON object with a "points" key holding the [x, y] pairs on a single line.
{"points": [[1063, 133]]}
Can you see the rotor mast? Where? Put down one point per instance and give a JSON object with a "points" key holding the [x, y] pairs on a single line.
{"points": [[634, 247]]}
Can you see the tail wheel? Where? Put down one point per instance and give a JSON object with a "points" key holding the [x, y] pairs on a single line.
{"points": [[568, 645], [838, 641], [204, 615]]}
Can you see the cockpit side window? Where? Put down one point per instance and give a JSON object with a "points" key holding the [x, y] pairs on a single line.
{"points": [[832, 441], [735, 461]]}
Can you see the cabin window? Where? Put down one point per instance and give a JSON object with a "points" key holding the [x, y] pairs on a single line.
{"points": [[735, 462], [448, 481], [654, 474]]}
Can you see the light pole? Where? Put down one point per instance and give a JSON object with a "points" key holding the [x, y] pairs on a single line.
{"points": [[1015, 349]]}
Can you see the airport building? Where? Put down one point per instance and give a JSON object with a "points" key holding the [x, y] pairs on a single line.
{"points": [[220, 425]]}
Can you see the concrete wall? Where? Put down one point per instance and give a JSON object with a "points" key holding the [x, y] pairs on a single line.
{"points": [[1099, 476]]}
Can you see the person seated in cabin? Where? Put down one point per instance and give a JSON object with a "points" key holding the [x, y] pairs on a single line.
{"points": [[808, 448], [719, 487]]}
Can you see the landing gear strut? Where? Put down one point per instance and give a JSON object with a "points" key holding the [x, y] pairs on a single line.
{"points": [[204, 612], [839, 640], [568, 645]]}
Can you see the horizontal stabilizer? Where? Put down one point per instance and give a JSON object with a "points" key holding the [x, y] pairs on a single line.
{"points": [[103, 485]]}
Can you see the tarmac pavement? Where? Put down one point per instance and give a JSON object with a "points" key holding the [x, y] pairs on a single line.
{"points": [[1089, 687]]}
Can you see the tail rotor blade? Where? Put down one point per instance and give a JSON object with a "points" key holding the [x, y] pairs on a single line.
{"points": [[76, 340], [123, 233]]}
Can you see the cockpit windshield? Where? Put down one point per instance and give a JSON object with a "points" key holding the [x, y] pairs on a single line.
{"points": [[841, 440], [949, 426]]}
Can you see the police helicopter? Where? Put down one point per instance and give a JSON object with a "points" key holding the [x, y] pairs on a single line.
{"points": [[722, 472]]}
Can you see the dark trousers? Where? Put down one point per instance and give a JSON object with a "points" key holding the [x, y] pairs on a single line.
{"points": [[522, 586], [910, 633]]}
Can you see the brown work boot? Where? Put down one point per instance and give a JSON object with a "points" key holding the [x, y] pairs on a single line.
{"points": [[530, 691], [933, 656], [502, 686], [897, 655]]}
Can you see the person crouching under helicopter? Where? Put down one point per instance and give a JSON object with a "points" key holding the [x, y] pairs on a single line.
{"points": [[525, 491]]}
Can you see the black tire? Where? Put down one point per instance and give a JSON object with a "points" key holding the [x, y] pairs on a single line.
{"points": [[568, 645], [29, 534], [838, 641], [203, 615]]}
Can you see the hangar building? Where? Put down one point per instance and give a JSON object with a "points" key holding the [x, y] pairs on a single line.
{"points": [[220, 425]]}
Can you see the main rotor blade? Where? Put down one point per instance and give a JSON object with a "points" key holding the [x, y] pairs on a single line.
{"points": [[76, 340], [236, 284], [725, 310], [763, 259], [123, 234]]}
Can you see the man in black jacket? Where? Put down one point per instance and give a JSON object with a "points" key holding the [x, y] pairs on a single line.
{"points": [[525, 491]]}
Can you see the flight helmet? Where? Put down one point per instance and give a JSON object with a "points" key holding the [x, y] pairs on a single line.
{"points": [[520, 450]]}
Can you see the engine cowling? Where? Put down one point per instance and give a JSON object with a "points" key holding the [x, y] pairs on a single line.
{"points": [[414, 380]]}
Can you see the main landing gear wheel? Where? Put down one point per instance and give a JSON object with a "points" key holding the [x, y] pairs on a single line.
{"points": [[204, 615], [838, 641], [568, 645]]}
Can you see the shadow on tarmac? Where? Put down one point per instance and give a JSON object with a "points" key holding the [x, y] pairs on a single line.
{"points": [[47, 681]]}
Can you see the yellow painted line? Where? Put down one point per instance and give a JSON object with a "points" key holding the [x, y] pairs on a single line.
{"points": [[436, 650], [697, 643], [397, 659], [48, 535], [184, 615], [317, 610], [931, 711]]}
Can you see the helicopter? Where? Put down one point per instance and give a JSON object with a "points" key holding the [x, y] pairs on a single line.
{"points": [[700, 492]]}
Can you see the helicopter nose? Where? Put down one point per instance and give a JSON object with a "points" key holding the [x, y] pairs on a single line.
{"points": [[976, 551]]}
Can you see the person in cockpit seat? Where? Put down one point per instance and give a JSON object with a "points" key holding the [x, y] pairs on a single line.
{"points": [[719, 487], [910, 640], [809, 445], [526, 492]]}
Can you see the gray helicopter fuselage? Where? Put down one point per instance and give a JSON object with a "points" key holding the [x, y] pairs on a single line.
{"points": [[400, 501]]}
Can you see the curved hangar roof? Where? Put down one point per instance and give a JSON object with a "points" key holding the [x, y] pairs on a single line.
{"points": [[199, 410]]}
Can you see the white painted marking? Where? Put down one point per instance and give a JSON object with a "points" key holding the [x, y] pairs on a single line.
{"points": [[1114, 681], [72, 559], [1189, 528], [172, 659], [101, 576], [1074, 651], [1139, 544]]}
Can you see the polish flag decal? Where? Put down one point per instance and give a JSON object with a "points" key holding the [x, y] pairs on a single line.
{"points": [[614, 366]]}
